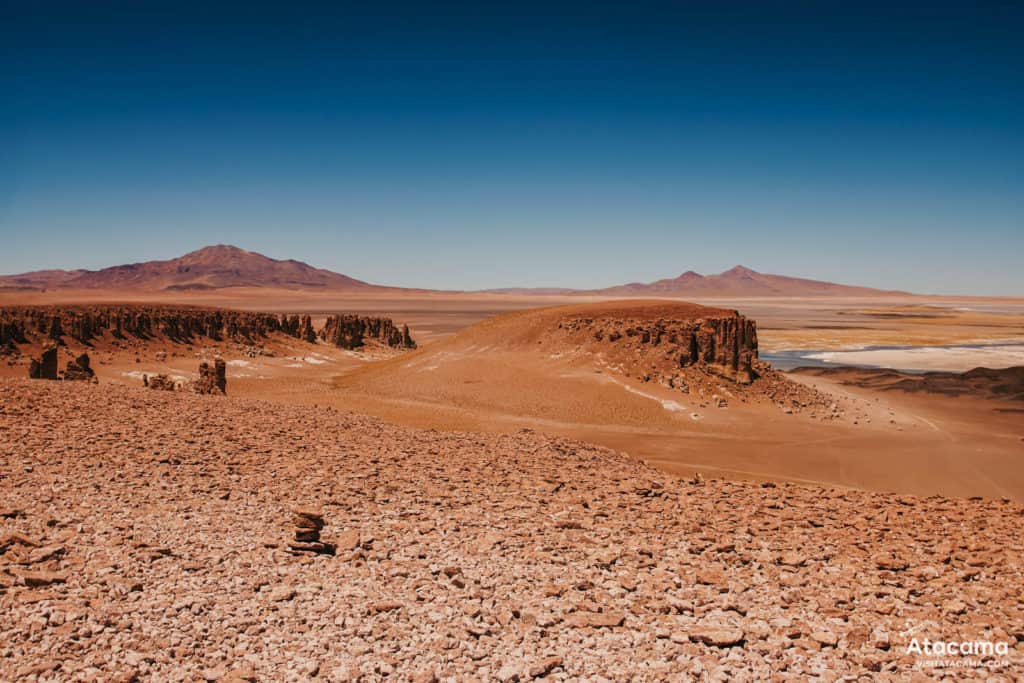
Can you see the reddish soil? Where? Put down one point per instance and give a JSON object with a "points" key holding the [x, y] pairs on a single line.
{"points": [[1006, 384], [144, 536], [496, 377], [521, 370]]}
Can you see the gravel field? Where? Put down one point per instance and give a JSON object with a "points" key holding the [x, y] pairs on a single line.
{"points": [[148, 536]]}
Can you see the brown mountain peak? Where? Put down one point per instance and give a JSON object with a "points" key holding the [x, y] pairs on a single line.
{"points": [[211, 267], [740, 271], [690, 275]]}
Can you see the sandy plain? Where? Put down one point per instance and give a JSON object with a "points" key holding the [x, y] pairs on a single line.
{"points": [[828, 323], [466, 379]]}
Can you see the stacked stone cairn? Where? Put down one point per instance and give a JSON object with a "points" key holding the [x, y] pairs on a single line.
{"points": [[307, 534]]}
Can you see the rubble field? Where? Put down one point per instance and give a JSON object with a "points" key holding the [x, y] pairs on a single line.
{"points": [[159, 536]]}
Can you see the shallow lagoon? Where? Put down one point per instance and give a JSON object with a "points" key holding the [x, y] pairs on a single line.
{"points": [[954, 358]]}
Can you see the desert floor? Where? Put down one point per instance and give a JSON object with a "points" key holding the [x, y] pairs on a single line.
{"points": [[783, 323], [493, 526], [886, 441], [146, 535]]}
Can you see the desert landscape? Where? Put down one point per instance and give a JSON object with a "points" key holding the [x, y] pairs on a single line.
{"points": [[239, 482], [498, 362], [462, 342]]}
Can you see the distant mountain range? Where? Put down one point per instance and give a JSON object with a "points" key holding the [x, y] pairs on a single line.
{"points": [[223, 266], [208, 268], [735, 282]]}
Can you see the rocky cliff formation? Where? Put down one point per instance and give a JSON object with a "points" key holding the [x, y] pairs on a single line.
{"points": [[47, 324], [353, 332], [721, 342], [83, 323], [306, 332], [681, 346]]}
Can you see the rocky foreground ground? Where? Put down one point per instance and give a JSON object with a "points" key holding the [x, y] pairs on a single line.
{"points": [[145, 535]]}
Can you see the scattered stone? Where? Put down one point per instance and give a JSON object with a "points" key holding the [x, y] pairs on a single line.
{"points": [[385, 606], [160, 383], [245, 674], [112, 478], [594, 619], [792, 559], [282, 593], [891, 562], [825, 638], [347, 540], [545, 667], [717, 637], [38, 579]]}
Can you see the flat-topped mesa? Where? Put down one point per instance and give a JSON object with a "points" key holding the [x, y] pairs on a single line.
{"points": [[665, 340], [727, 345], [353, 332]]}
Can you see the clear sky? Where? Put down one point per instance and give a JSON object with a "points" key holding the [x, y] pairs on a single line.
{"points": [[544, 144]]}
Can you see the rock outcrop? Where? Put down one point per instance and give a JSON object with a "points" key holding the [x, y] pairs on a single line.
{"points": [[721, 342], [159, 382], [177, 324], [354, 331], [695, 349], [79, 370], [182, 324], [46, 366], [212, 378], [306, 332]]}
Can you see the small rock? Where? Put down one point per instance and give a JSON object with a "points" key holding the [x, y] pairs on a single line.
{"points": [[718, 637], [282, 594], [594, 619], [42, 578], [824, 638]]}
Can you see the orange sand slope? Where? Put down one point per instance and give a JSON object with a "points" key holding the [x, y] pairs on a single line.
{"points": [[515, 371]]}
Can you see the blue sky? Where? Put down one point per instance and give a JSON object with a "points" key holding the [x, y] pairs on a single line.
{"points": [[475, 145]]}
